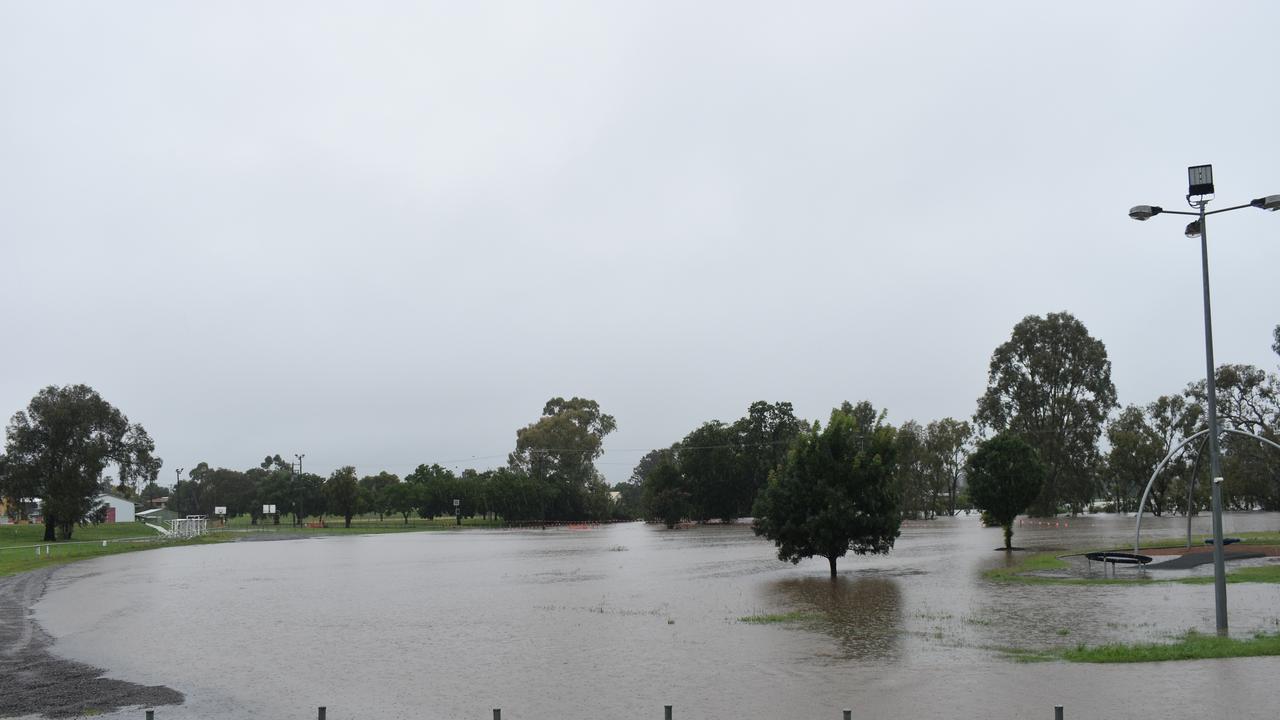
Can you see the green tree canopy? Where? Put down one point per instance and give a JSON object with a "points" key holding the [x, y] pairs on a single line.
{"points": [[835, 491], [947, 448], [1136, 449], [1005, 476], [1051, 384], [342, 493], [559, 449], [59, 447]]}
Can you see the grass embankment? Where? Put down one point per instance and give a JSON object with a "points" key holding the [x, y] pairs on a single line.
{"points": [[17, 554], [1190, 646]]}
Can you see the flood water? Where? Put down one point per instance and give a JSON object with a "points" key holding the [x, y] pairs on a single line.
{"points": [[615, 622]]}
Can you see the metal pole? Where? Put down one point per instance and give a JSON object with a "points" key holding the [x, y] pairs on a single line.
{"points": [[151, 715], [1057, 712], [1215, 465], [666, 712], [497, 714], [848, 714], [320, 715]]}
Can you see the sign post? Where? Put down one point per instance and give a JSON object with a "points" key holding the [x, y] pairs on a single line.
{"points": [[457, 510]]}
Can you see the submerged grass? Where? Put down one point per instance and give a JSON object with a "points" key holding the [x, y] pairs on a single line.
{"points": [[776, 618]]}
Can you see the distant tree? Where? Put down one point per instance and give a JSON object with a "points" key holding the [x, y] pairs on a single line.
{"points": [[665, 498], [947, 447], [342, 490], [1174, 419], [152, 491], [835, 492], [1248, 400], [913, 473], [58, 448], [1051, 384], [374, 489], [517, 497], [435, 489], [1276, 345], [761, 440], [402, 499], [1136, 449], [1004, 477], [711, 470], [559, 450]]}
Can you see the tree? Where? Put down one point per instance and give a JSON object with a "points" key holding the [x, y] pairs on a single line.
{"points": [[1276, 345], [664, 495], [761, 440], [711, 472], [1174, 419], [1051, 384], [912, 475], [402, 498], [947, 447], [434, 489], [58, 448], [835, 491], [1005, 476], [1136, 449], [342, 491], [374, 489], [560, 449]]}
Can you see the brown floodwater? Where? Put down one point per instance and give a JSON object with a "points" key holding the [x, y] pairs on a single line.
{"points": [[617, 621]]}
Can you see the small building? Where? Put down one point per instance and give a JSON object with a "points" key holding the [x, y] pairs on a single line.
{"points": [[118, 509]]}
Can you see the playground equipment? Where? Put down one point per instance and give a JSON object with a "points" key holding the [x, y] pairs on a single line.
{"points": [[188, 527], [1137, 533], [1114, 558]]}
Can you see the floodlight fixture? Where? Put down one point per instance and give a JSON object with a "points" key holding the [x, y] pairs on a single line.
{"points": [[1143, 213], [1270, 202], [1193, 229], [1199, 180]]}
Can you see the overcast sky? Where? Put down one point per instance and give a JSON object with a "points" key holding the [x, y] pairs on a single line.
{"points": [[384, 234]]}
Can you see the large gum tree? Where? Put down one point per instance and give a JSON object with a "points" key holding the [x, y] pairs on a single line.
{"points": [[58, 448], [1051, 384]]}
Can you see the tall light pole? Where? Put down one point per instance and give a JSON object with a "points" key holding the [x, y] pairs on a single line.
{"points": [[1199, 194]]}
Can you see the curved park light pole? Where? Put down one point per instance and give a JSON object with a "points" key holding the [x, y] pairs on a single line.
{"points": [[1199, 194]]}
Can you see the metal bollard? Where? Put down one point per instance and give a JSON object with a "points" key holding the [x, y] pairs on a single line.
{"points": [[848, 714], [666, 712], [1057, 712], [320, 716], [151, 715], [497, 714]]}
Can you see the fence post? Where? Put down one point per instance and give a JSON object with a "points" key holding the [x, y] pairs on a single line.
{"points": [[1057, 712], [320, 716], [666, 712], [497, 714], [848, 714]]}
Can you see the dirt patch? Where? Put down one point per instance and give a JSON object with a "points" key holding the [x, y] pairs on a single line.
{"points": [[33, 680]]}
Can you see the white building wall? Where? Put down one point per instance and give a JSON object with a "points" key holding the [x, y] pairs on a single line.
{"points": [[124, 508]]}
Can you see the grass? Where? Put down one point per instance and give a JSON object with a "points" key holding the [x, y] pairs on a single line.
{"points": [[1024, 572], [17, 553], [1255, 574], [1190, 646], [777, 618]]}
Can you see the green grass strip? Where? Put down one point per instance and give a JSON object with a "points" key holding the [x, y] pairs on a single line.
{"points": [[775, 618], [1191, 646]]}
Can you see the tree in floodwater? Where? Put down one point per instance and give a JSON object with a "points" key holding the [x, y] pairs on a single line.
{"points": [[1005, 476], [835, 492], [1051, 384], [59, 446], [559, 450]]}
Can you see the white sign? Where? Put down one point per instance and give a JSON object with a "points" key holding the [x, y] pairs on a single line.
{"points": [[456, 502], [268, 509], [219, 509]]}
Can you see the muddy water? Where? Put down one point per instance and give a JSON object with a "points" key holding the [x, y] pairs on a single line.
{"points": [[618, 621]]}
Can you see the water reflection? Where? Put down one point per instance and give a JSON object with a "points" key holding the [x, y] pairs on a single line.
{"points": [[863, 614]]}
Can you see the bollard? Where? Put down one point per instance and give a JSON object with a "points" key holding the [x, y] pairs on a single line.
{"points": [[848, 714], [1057, 712], [321, 715], [151, 715], [666, 712], [104, 543], [497, 714]]}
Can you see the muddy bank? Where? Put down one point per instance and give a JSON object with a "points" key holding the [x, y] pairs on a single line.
{"points": [[34, 681]]}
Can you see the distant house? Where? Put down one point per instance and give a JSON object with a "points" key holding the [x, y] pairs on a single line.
{"points": [[118, 509], [159, 502]]}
